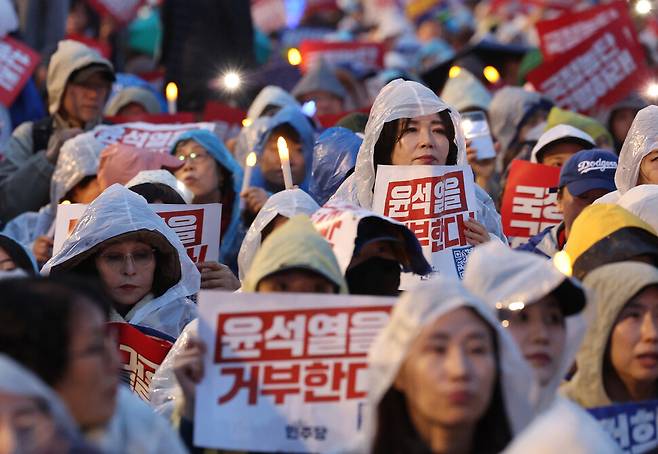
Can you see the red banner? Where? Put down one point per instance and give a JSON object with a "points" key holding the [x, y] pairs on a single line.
{"points": [[595, 74], [528, 207], [123, 11], [17, 63], [141, 355], [181, 117], [562, 34], [335, 53]]}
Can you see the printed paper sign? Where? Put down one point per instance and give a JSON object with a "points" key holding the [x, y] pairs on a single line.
{"points": [[123, 11], [528, 207], [597, 73], [17, 62], [197, 226], [285, 372], [141, 355], [148, 136], [562, 34], [633, 426], [370, 55], [433, 202]]}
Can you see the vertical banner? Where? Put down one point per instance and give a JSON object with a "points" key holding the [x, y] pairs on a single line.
{"points": [[17, 63], [634, 426], [433, 202], [141, 354], [197, 226], [528, 206], [596, 73], [285, 372]]}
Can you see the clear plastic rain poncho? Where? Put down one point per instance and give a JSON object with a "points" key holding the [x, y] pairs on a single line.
{"points": [[501, 276], [270, 96], [19, 381], [78, 158], [641, 140], [295, 118], [248, 138], [407, 99], [417, 309], [118, 211], [642, 202], [334, 157], [286, 203]]}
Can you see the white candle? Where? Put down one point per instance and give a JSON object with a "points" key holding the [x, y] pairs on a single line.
{"points": [[250, 163], [172, 95], [285, 162]]}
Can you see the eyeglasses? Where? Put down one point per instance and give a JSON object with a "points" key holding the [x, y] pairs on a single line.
{"points": [[192, 156], [116, 260]]}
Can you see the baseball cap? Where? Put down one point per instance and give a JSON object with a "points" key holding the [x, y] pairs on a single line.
{"points": [[560, 134], [589, 169]]}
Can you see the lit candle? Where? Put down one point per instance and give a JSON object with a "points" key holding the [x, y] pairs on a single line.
{"points": [[172, 95], [285, 161], [250, 163]]}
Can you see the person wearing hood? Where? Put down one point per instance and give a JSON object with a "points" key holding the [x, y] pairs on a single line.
{"points": [[605, 233], [132, 101], [74, 180], [267, 177], [334, 158], [374, 254], [160, 178], [321, 86], [589, 125], [637, 161], [33, 419], [269, 101], [277, 210], [558, 144], [140, 261], [295, 258], [77, 357], [15, 256], [642, 201], [540, 307], [584, 177], [620, 117], [410, 125], [444, 376], [514, 112], [211, 173], [79, 81], [618, 360], [466, 93]]}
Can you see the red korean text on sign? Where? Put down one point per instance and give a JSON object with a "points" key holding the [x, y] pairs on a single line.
{"points": [[314, 353], [17, 62], [434, 208], [528, 204], [141, 355], [188, 225], [141, 138]]}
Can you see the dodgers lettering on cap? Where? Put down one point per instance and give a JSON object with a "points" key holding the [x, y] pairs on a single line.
{"points": [[600, 164]]}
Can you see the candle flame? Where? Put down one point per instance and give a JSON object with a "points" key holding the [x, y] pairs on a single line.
{"points": [[171, 91], [251, 159], [283, 149]]}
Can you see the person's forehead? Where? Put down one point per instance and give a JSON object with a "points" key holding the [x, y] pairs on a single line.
{"points": [[126, 244], [429, 118], [190, 146]]}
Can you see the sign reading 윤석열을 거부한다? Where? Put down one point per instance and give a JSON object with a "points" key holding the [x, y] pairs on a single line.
{"points": [[433, 202], [285, 372], [197, 226], [17, 63]]}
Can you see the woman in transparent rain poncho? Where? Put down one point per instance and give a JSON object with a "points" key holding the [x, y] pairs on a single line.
{"points": [[638, 159], [410, 125], [138, 258]]}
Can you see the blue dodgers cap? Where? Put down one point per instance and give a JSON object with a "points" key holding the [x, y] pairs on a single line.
{"points": [[588, 170]]}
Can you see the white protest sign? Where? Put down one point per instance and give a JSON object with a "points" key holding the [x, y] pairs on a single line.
{"points": [[285, 372], [197, 226], [149, 136], [433, 202]]}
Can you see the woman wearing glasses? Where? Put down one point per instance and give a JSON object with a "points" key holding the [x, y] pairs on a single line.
{"points": [[212, 175], [138, 258]]}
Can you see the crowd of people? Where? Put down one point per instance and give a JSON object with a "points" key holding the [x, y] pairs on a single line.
{"points": [[507, 358]]}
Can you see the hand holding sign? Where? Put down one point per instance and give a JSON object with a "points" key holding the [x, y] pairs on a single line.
{"points": [[218, 276]]}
